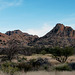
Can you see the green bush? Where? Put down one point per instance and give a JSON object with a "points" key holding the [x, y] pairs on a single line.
{"points": [[65, 67], [62, 54], [43, 52], [19, 60]]}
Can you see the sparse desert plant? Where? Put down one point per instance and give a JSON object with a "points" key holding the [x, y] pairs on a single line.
{"points": [[64, 67], [24, 66], [9, 68], [22, 59], [13, 47], [39, 63], [43, 52]]}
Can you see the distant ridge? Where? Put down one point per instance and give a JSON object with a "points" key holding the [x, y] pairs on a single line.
{"points": [[60, 35], [24, 38]]}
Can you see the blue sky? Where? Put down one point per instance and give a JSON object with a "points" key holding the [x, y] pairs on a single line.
{"points": [[36, 17]]}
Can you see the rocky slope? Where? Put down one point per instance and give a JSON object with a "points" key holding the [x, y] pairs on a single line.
{"points": [[60, 35], [3, 39], [24, 38]]}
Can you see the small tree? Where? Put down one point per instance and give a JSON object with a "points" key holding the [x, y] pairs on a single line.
{"points": [[68, 51], [62, 54], [13, 47]]}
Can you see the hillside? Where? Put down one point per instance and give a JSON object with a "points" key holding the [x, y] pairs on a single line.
{"points": [[24, 38], [60, 35]]}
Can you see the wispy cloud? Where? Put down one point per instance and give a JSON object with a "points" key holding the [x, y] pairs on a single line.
{"points": [[9, 3], [40, 31]]}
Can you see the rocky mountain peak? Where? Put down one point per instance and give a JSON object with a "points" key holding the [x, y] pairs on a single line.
{"points": [[13, 32], [61, 30], [59, 27], [60, 35]]}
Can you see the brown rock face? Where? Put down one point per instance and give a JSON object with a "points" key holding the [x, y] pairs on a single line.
{"points": [[25, 38], [62, 31], [13, 32], [3, 39], [60, 35]]}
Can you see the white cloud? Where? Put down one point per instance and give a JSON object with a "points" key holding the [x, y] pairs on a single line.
{"points": [[6, 3], [40, 31]]}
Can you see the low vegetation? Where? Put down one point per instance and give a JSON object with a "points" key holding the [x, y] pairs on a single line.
{"points": [[62, 54], [63, 67], [15, 48]]}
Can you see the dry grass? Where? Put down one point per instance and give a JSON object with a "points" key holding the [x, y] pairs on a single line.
{"points": [[48, 56], [42, 73], [71, 59]]}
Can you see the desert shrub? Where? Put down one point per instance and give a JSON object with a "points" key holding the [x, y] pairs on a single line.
{"points": [[43, 52], [12, 49], [31, 61], [19, 60], [64, 67], [39, 62], [46, 67], [24, 66], [49, 50], [9, 68], [7, 64], [22, 59]]}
